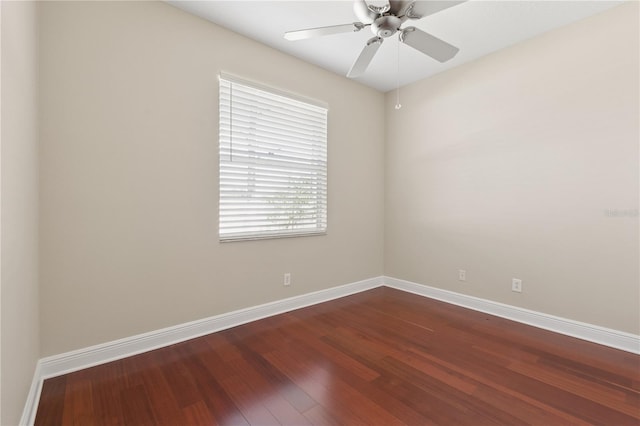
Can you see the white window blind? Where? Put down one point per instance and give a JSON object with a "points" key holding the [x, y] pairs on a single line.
{"points": [[273, 163]]}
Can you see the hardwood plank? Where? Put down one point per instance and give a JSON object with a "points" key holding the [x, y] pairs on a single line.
{"points": [[136, 407], [270, 378], [198, 414], [78, 402], [582, 387], [330, 391], [317, 415], [218, 402], [161, 393], [268, 391], [51, 403], [105, 382], [250, 404], [444, 398], [362, 385], [380, 357], [550, 396]]}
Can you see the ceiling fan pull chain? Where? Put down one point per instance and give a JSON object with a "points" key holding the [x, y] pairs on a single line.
{"points": [[398, 105]]}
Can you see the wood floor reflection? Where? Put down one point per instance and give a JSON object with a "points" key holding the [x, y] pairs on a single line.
{"points": [[381, 357]]}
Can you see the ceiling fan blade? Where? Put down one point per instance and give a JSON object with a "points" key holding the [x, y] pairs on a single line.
{"points": [[367, 54], [429, 45], [397, 7], [362, 11], [323, 31], [421, 8]]}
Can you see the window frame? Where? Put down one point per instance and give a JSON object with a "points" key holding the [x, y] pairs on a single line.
{"points": [[291, 215]]}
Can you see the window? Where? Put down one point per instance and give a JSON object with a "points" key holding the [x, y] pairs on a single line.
{"points": [[273, 163]]}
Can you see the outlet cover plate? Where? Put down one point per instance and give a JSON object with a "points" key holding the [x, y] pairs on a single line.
{"points": [[516, 285]]}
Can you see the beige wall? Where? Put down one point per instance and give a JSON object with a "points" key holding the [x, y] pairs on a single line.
{"points": [[129, 175], [506, 167], [503, 167], [19, 166]]}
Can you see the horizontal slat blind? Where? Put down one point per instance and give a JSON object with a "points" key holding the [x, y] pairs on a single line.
{"points": [[273, 164]]}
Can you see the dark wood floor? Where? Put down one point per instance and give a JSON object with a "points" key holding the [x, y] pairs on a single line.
{"points": [[382, 357]]}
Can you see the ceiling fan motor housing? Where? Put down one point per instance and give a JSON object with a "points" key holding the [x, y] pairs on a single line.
{"points": [[386, 26]]}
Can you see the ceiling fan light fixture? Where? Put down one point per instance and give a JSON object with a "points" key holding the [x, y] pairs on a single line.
{"points": [[386, 26]]}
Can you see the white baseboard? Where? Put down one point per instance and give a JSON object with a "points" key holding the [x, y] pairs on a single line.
{"points": [[99, 354], [33, 398], [592, 333], [68, 362]]}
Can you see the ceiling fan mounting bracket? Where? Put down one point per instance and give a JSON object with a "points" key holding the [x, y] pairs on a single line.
{"points": [[379, 10], [404, 32], [409, 13], [374, 40]]}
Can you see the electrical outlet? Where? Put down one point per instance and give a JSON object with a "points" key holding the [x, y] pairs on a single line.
{"points": [[516, 285], [462, 275], [287, 279]]}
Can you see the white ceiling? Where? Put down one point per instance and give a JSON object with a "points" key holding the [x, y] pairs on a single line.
{"points": [[477, 27]]}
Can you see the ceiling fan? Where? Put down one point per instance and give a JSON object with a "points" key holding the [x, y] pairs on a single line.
{"points": [[385, 21]]}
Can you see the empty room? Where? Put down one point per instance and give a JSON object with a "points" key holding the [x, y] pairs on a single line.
{"points": [[320, 212]]}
